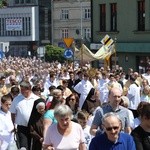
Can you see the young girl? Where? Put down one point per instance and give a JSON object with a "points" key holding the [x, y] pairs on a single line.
{"points": [[6, 125]]}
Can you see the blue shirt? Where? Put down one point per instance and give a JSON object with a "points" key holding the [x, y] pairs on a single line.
{"points": [[50, 115], [121, 112], [101, 142]]}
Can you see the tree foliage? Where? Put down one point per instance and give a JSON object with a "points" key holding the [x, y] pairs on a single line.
{"points": [[3, 3], [54, 53]]}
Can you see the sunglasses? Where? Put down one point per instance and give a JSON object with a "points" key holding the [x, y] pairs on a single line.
{"points": [[112, 128]]}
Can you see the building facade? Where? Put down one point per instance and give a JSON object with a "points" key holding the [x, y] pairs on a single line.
{"points": [[29, 24], [71, 18], [128, 23], [26, 25]]}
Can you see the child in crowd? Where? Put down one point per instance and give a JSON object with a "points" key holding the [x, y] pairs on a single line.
{"points": [[82, 117], [6, 125]]}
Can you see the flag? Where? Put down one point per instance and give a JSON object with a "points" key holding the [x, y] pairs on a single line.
{"points": [[84, 53], [105, 52], [107, 49], [109, 46]]}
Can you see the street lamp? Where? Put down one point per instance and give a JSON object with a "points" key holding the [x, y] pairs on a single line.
{"points": [[81, 30], [81, 18], [52, 22]]}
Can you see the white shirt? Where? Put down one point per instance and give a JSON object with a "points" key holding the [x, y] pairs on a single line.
{"points": [[123, 80], [103, 89], [134, 96], [83, 88], [47, 84], [22, 107], [136, 122], [6, 126], [66, 77]]}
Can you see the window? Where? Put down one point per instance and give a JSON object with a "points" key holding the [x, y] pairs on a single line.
{"points": [[64, 14], [64, 33], [16, 1], [28, 1], [87, 33], [113, 19], [141, 15], [22, 1], [87, 13], [102, 17]]}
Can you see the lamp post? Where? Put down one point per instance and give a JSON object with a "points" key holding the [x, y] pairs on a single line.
{"points": [[81, 19], [81, 30], [52, 22]]}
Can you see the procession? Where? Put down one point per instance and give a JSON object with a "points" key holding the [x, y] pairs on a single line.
{"points": [[74, 75], [49, 105]]}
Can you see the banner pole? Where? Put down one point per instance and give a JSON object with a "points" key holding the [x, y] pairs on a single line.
{"points": [[73, 48]]}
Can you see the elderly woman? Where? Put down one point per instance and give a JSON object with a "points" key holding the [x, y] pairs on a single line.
{"points": [[65, 134], [36, 123]]}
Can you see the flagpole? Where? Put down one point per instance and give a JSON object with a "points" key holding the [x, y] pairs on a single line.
{"points": [[108, 62], [73, 48], [81, 31], [105, 64]]}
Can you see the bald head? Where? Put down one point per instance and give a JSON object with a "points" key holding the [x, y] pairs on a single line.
{"points": [[115, 90], [115, 97]]}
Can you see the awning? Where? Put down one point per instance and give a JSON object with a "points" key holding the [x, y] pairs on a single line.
{"points": [[133, 47]]}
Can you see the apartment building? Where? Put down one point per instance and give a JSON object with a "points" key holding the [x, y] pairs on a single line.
{"points": [[127, 22], [71, 18]]}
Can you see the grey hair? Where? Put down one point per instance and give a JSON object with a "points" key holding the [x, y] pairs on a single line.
{"points": [[40, 104], [56, 91], [63, 110], [110, 114]]}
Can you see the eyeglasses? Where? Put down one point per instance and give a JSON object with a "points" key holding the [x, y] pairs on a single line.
{"points": [[112, 128]]}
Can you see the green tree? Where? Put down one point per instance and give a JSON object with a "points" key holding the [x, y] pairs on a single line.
{"points": [[3, 3], [54, 53]]}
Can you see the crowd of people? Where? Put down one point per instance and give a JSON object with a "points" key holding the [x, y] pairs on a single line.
{"points": [[47, 106]]}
